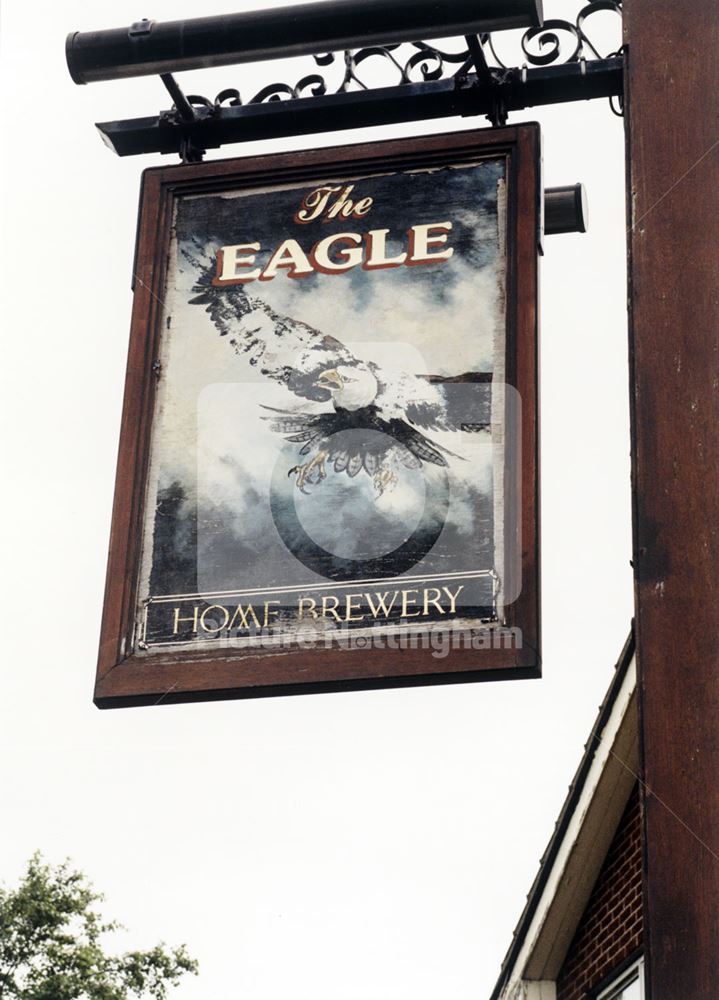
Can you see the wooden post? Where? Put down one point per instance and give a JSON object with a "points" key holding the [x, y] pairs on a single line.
{"points": [[672, 102]]}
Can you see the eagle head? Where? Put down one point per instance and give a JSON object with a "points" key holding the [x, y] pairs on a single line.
{"points": [[351, 388]]}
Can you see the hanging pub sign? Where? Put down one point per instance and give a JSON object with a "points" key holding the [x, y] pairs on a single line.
{"points": [[328, 463]]}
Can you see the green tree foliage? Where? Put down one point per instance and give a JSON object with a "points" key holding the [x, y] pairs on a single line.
{"points": [[51, 944]]}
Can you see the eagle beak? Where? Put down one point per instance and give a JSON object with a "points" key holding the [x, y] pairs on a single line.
{"points": [[331, 379]]}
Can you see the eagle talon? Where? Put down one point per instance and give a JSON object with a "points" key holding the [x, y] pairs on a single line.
{"points": [[312, 472], [297, 470], [383, 479]]}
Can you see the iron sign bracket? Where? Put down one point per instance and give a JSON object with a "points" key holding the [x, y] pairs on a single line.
{"points": [[558, 63], [223, 121], [183, 116], [486, 77]]}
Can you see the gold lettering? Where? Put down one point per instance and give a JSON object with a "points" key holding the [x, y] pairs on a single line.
{"points": [[406, 600], [311, 609], [217, 628], [244, 614], [421, 239], [291, 256], [269, 612], [453, 597], [432, 600], [377, 252], [343, 207], [350, 608], [230, 259], [192, 619], [349, 256], [363, 206], [330, 611], [381, 604], [313, 204]]}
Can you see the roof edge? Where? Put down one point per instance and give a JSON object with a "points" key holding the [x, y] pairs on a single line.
{"points": [[574, 796]]}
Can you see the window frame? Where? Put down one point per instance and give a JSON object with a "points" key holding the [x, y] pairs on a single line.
{"points": [[634, 973]]}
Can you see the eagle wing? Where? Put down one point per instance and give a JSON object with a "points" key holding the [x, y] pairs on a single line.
{"points": [[433, 402], [283, 349], [294, 354]]}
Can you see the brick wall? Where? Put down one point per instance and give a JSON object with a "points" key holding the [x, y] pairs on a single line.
{"points": [[611, 926]]}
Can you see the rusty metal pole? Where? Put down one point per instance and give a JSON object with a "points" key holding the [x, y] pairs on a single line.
{"points": [[672, 102]]}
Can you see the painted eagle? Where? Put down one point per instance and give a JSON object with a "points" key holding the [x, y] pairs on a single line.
{"points": [[376, 413]]}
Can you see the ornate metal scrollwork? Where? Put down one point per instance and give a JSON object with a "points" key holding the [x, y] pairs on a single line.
{"points": [[555, 42]]}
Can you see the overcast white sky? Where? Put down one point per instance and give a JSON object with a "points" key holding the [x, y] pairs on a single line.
{"points": [[371, 846]]}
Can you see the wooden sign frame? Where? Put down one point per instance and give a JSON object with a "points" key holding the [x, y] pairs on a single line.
{"points": [[127, 674]]}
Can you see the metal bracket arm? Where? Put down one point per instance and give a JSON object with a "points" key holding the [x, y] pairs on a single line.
{"points": [[216, 124]]}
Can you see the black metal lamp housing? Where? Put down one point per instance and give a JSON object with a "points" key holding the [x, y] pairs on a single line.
{"points": [[151, 47], [565, 210]]}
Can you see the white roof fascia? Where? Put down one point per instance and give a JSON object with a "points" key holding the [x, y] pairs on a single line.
{"points": [[591, 827]]}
